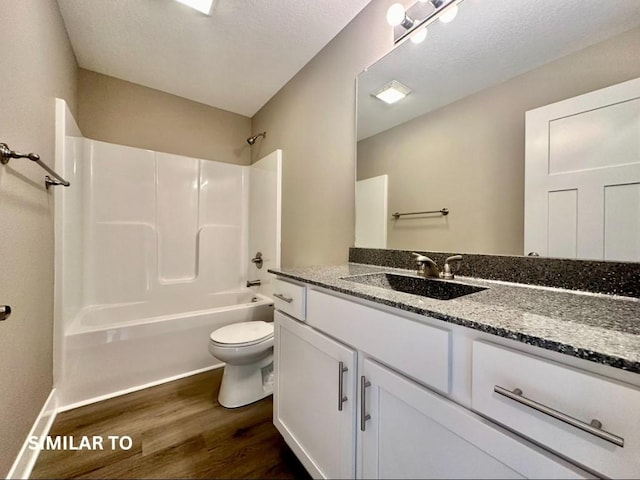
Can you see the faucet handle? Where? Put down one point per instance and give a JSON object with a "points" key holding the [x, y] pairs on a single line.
{"points": [[446, 273]]}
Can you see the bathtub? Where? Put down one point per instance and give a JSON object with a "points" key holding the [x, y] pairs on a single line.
{"points": [[116, 349]]}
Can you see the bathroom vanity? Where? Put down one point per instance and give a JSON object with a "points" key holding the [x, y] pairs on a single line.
{"points": [[510, 381]]}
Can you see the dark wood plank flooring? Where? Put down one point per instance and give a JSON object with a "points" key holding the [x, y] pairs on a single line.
{"points": [[179, 431]]}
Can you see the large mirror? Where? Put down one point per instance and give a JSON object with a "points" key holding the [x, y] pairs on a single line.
{"points": [[457, 140]]}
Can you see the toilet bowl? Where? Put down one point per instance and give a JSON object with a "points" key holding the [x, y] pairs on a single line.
{"points": [[247, 350]]}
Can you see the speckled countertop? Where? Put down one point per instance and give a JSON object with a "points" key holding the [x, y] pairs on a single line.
{"points": [[600, 328]]}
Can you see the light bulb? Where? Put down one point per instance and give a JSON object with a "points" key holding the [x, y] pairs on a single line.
{"points": [[419, 36], [395, 14], [203, 6], [449, 14]]}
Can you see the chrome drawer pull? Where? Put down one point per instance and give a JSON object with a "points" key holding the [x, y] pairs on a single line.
{"points": [[341, 397], [364, 383], [594, 428], [283, 298]]}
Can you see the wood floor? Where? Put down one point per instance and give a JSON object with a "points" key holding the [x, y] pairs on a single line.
{"points": [[179, 431]]}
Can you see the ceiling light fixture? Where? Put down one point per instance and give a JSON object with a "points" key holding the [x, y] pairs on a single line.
{"points": [[203, 6], [421, 14], [392, 92]]}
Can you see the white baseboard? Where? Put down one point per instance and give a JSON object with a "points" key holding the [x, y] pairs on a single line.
{"points": [[26, 459], [107, 396]]}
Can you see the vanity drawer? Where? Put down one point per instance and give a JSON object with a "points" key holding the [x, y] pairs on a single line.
{"points": [[290, 298], [417, 350], [578, 395]]}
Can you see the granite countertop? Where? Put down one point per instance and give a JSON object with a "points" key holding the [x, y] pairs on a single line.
{"points": [[595, 327]]}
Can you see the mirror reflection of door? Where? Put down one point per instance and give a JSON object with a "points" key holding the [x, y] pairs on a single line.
{"points": [[582, 176], [371, 212]]}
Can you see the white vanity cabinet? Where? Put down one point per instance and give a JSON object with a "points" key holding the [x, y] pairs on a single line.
{"points": [[361, 393], [588, 418], [406, 431], [315, 397]]}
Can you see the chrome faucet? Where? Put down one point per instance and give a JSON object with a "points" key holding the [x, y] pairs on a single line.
{"points": [[447, 274], [426, 267], [253, 283]]}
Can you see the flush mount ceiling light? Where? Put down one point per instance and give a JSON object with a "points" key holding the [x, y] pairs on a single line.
{"points": [[203, 6], [392, 92], [418, 16]]}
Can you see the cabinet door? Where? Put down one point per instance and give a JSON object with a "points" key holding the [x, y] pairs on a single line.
{"points": [[318, 427], [413, 433]]}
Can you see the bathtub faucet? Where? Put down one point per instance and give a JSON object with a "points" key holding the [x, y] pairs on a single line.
{"points": [[253, 283]]}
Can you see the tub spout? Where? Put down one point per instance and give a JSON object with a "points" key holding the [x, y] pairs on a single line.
{"points": [[253, 283]]}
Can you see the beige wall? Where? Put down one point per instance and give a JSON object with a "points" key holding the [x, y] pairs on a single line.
{"points": [[469, 156], [36, 65], [312, 119], [116, 111]]}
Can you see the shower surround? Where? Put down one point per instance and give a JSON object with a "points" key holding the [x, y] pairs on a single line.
{"points": [[152, 254]]}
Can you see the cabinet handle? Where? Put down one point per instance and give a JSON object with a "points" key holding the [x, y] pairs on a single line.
{"points": [[594, 428], [341, 398], [364, 383], [283, 298]]}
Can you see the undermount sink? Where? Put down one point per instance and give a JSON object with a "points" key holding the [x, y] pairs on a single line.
{"points": [[425, 287]]}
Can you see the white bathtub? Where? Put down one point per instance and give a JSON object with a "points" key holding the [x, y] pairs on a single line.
{"points": [[113, 350], [102, 317]]}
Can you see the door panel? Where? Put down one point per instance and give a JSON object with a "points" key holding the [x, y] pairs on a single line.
{"points": [[371, 212], [562, 220], [578, 151], [622, 222]]}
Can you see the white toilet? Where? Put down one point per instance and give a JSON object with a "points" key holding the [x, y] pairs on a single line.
{"points": [[247, 350]]}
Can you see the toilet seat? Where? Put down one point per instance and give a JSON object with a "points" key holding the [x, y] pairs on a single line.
{"points": [[242, 334]]}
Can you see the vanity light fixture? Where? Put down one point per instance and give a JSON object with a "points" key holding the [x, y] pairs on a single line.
{"points": [[417, 17], [392, 92], [419, 35], [396, 15], [203, 6], [449, 14]]}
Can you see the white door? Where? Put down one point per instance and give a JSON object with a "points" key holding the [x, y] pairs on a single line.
{"points": [[582, 176], [371, 212], [308, 412], [265, 199], [414, 433]]}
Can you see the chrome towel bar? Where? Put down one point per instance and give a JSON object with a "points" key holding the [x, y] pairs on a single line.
{"points": [[7, 154], [442, 211]]}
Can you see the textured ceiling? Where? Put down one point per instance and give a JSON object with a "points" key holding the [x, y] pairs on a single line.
{"points": [[489, 42], [236, 59]]}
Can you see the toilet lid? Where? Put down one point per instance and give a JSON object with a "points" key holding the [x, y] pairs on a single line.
{"points": [[242, 333]]}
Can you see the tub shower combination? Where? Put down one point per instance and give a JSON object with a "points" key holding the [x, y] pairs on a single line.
{"points": [[152, 255]]}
